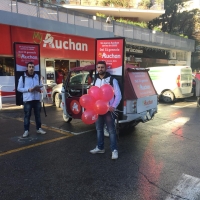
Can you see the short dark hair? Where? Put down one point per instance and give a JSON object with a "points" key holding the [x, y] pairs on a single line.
{"points": [[30, 63], [101, 62]]}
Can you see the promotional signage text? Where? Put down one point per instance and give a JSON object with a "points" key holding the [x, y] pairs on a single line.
{"points": [[112, 52], [25, 53], [142, 84]]}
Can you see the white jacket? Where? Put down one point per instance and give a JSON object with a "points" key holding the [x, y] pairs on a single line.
{"points": [[29, 82], [114, 102]]}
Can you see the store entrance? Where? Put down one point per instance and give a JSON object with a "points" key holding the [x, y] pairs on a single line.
{"points": [[57, 70], [61, 70]]}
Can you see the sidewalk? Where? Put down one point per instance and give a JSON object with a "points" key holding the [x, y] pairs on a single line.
{"points": [[9, 103]]}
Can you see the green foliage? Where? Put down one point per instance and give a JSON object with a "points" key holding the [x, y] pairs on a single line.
{"points": [[117, 3], [177, 22], [159, 2], [100, 15], [125, 21], [145, 3]]}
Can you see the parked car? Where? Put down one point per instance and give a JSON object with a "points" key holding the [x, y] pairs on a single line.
{"points": [[76, 79]]}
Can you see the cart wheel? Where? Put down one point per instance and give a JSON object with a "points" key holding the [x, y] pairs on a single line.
{"points": [[168, 96], [67, 119]]}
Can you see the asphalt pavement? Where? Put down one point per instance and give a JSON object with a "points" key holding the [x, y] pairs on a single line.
{"points": [[153, 158]]}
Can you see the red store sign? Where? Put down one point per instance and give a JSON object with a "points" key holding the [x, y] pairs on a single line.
{"points": [[55, 45], [112, 52]]}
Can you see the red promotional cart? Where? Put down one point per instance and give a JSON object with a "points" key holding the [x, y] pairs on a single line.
{"points": [[139, 103]]}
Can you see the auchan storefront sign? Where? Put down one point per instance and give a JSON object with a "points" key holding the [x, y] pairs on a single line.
{"points": [[55, 45]]}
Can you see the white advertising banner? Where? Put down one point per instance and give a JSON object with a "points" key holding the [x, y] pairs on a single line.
{"points": [[147, 103]]}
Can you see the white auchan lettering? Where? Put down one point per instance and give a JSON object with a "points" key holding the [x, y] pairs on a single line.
{"points": [[66, 44], [104, 55], [144, 87], [146, 103], [28, 57]]}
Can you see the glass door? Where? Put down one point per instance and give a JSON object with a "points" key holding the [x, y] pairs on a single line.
{"points": [[50, 71], [72, 64]]}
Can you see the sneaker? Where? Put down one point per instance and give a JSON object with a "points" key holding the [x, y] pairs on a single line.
{"points": [[25, 134], [97, 150], [41, 131], [115, 154]]}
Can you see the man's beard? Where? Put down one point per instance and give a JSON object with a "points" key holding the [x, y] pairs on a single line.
{"points": [[102, 73]]}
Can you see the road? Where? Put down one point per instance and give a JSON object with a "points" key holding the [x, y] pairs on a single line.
{"points": [[157, 160]]}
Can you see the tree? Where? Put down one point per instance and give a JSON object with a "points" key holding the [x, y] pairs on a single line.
{"points": [[180, 22], [167, 20], [146, 3], [176, 21]]}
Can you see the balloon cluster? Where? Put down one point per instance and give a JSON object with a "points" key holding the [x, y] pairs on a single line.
{"points": [[96, 102]]}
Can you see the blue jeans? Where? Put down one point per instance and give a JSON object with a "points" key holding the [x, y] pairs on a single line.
{"points": [[28, 105], [109, 120]]}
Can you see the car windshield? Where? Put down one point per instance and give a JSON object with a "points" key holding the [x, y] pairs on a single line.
{"points": [[79, 78]]}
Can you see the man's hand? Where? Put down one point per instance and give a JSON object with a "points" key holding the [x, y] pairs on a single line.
{"points": [[38, 90], [34, 89], [30, 89], [111, 109]]}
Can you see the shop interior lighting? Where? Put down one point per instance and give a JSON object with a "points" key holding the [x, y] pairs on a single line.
{"points": [[13, 4], [84, 20], [52, 13]]}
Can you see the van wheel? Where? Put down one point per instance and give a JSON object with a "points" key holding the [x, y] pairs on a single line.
{"points": [[57, 100], [67, 119], [168, 96]]}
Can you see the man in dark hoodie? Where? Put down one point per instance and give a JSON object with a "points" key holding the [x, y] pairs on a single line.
{"points": [[30, 88], [102, 78]]}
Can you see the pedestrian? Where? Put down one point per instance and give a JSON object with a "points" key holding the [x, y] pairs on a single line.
{"points": [[102, 78], [197, 81], [30, 86], [108, 20]]}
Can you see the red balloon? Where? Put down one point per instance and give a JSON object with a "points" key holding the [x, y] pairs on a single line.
{"points": [[87, 101], [107, 92], [95, 92], [89, 116], [101, 107]]}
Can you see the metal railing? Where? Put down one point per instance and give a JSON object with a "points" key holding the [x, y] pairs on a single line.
{"points": [[61, 14]]}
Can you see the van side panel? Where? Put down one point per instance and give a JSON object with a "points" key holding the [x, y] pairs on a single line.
{"points": [[177, 79]]}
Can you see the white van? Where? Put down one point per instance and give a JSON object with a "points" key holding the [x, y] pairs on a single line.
{"points": [[172, 82]]}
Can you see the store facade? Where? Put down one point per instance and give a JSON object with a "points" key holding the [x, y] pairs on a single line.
{"points": [[58, 54], [61, 52]]}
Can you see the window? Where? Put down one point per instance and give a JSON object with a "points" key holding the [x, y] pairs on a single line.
{"points": [[7, 66]]}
